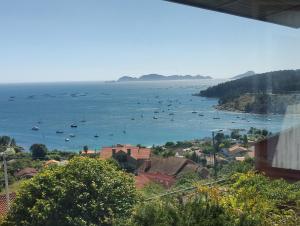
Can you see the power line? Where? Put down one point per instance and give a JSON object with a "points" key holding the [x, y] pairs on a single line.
{"points": [[184, 189]]}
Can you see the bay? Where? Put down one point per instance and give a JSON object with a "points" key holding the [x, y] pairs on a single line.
{"points": [[144, 113]]}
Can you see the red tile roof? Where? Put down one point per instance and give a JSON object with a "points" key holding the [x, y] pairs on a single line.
{"points": [[169, 166], [135, 152], [26, 172], [145, 178], [141, 181]]}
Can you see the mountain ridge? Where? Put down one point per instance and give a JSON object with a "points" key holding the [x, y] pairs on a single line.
{"points": [[246, 74], [270, 92], [158, 77]]}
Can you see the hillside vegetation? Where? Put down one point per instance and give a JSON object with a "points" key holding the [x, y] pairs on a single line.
{"points": [[269, 92]]}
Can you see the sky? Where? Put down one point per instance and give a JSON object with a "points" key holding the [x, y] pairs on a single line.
{"points": [[95, 40]]}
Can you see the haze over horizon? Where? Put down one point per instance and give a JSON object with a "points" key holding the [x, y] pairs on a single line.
{"points": [[71, 40]]}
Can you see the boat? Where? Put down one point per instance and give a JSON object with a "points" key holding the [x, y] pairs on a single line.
{"points": [[96, 136], [155, 117], [35, 128], [67, 139], [132, 119], [201, 115], [72, 135], [194, 112], [59, 131], [73, 125], [83, 121], [269, 119], [156, 112], [171, 113], [217, 117], [124, 131]]}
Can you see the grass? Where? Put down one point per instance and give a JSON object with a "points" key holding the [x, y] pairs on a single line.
{"points": [[12, 187]]}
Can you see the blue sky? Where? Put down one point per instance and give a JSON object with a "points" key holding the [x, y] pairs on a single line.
{"points": [[75, 40]]}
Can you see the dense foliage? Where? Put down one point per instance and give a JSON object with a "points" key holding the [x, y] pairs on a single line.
{"points": [[253, 94], [248, 199], [6, 141], [84, 192], [277, 82], [38, 151], [170, 148]]}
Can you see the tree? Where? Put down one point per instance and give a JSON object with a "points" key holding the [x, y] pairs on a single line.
{"points": [[264, 132], [85, 148], [170, 144], [5, 140], [245, 140], [38, 151], [235, 134], [219, 137], [13, 142], [85, 192], [209, 150]]}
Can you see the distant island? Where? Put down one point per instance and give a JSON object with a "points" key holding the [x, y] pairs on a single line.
{"points": [[246, 74], [157, 77], [264, 93]]}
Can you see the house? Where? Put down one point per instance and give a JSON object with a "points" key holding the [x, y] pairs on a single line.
{"points": [[171, 166], [142, 179], [26, 173], [51, 162], [210, 160], [237, 149], [165, 171], [55, 162], [129, 157], [240, 159], [88, 152], [234, 150], [279, 156]]}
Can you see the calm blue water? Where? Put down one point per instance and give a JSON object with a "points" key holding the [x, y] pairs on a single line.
{"points": [[109, 110]]}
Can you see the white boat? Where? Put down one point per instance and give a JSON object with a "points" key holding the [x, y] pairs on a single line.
{"points": [[67, 139], [35, 128]]}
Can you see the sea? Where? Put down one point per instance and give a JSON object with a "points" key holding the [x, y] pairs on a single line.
{"points": [[108, 113]]}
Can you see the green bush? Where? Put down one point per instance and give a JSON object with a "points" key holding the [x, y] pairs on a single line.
{"points": [[84, 192]]}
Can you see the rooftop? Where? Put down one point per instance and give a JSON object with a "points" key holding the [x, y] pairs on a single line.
{"points": [[135, 152]]}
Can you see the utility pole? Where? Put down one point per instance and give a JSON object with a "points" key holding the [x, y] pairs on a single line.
{"points": [[8, 151], [6, 180], [215, 150], [214, 153]]}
